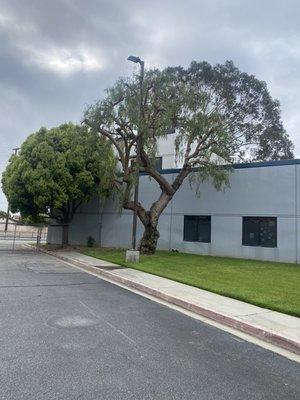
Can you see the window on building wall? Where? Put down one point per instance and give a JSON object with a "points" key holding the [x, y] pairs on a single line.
{"points": [[197, 228], [170, 131], [260, 231], [158, 163]]}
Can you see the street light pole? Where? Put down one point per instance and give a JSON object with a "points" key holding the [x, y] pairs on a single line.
{"points": [[7, 214], [138, 149]]}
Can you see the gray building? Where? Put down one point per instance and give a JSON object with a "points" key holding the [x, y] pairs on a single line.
{"points": [[256, 217]]}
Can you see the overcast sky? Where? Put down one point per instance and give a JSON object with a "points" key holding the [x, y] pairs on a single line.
{"points": [[56, 56]]}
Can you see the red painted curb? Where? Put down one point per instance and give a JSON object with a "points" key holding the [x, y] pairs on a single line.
{"points": [[235, 323]]}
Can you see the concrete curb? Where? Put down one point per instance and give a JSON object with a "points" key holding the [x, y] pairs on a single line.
{"points": [[257, 331]]}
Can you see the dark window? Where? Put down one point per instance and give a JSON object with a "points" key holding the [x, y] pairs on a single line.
{"points": [[158, 163], [170, 131], [260, 231], [197, 228]]}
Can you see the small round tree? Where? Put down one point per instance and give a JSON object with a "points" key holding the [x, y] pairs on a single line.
{"points": [[56, 171]]}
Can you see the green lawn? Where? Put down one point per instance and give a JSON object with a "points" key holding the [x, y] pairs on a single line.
{"points": [[267, 284]]}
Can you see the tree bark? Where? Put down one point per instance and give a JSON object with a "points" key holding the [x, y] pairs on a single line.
{"points": [[65, 235], [151, 235], [149, 239]]}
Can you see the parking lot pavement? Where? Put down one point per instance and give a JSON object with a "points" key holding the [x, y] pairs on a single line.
{"points": [[20, 245], [69, 335]]}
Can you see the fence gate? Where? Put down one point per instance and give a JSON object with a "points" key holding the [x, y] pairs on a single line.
{"points": [[21, 238]]}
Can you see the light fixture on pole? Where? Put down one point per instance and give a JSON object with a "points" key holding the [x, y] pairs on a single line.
{"points": [[135, 255]]}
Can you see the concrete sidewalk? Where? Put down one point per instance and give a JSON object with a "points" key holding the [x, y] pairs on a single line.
{"points": [[276, 328]]}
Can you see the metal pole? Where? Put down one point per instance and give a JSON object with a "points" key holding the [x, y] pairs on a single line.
{"points": [[38, 239], [14, 240], [6, 219], [138, 158]]}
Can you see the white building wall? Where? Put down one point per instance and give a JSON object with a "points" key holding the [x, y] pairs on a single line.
{"points": [[259, 190], [165, 149]]}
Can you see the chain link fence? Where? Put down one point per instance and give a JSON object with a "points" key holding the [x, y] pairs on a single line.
{"points": [[22, 238]]}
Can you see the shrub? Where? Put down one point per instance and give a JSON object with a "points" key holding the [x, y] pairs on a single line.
{"points": [[90, 241]]}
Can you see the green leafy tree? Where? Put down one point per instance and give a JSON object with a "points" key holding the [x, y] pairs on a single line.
{"points": [[56, 171], [220, 115]]}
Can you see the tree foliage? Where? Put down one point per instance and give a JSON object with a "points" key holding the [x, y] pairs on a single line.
{"points": [[56, 171], [220, 115]]}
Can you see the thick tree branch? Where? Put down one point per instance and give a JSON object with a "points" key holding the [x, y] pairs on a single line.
{"points": [[111, 137], [141, 212], [185, 170], [148, 167], [158, 207]]}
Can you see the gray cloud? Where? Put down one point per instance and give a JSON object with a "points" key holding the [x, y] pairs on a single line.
{"points": [[56, 56]]}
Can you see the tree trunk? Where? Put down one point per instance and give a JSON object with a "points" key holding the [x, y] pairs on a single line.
{"points": [[149, 239], [65, 235], [150, 219]]}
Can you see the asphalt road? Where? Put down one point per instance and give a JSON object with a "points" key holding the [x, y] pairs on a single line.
{"points": [[68, 335]]}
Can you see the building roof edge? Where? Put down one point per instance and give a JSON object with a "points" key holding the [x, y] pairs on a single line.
{"points": [[259, 164]]}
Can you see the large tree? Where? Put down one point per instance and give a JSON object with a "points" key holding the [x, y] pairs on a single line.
{"points": [[220, 115], [56, 171]]}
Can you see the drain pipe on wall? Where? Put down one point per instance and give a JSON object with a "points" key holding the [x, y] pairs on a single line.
{"points": [[101, 207], [171, 221]]}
